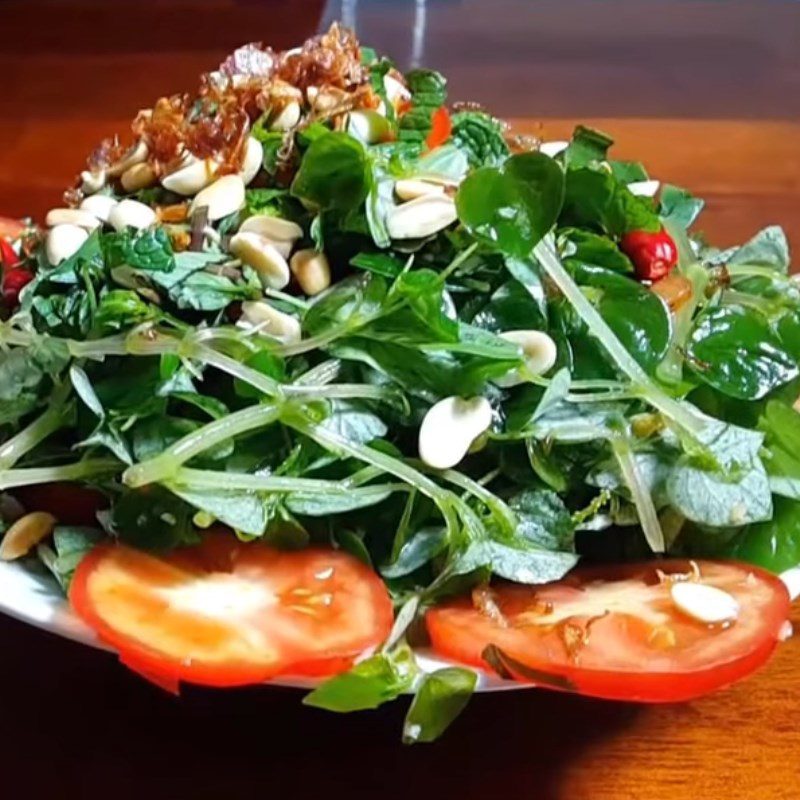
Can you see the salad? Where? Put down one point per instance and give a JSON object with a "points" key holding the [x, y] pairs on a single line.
{"points": [[321, 371]]}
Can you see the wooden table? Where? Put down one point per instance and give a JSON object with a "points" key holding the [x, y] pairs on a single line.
{"points": [[76, 725]]}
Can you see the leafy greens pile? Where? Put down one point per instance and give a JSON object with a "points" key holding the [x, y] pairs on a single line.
{"points": [[658, 429]]}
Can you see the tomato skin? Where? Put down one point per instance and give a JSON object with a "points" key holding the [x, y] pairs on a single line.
{"points": [[654, 689], [664, 675], [315, 610], [441, 128], [69, 503], [653, 254], [775, 543]]}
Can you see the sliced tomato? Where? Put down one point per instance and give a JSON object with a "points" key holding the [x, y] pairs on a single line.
{"points": [[69, 503], [441, 128], [225, 613], [616, 632]]}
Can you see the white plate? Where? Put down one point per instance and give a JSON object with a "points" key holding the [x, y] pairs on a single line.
{"points": [[37, 599]]}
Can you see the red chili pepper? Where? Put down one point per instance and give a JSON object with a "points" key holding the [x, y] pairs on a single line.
{"points": [[14, 280], [653, 254], [7, 255], [441, 128]]}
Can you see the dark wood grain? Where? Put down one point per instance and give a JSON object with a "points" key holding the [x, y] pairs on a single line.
{"points": [[77, 725], [698, 59]]}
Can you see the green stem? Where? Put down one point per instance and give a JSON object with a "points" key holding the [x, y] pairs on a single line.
{"points": [[269, 386], [581, 515], [323, 339], [95, 349], [486, 479], [643, 386], [582, 385], [340, 391], [504, 515], [322, 374], [462, 257], [380, 460], [98, 349], [289, 299], [165, 465], [82, 470], [49, 422], [211, 479], [670, 369], [236, 481], [316, 342], [403, 526], [364, 475], [274, 389], [207, 336], [733, 297], [376, 458], [15, 337], [148, 341], [600, 397], [642, 499], [755, 271], [623, 360]]}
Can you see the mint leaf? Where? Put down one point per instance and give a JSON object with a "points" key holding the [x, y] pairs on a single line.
{"points": [[679, 206], [418, 550], [428, 92], [768, 248], [733, 491], [148, 250], [595, 199], [367, 685], [588, 146], [71, 543], [441, 697], [333, 173], [480, 136], [733, 349], [512, 207]]}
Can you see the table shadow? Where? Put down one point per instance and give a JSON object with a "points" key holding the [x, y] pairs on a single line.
{"points": [[78, 725]]}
